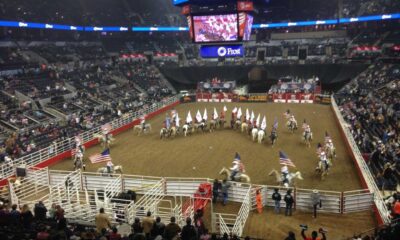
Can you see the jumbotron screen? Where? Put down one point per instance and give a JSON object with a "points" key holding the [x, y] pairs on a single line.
{"points": [[215, 28]]}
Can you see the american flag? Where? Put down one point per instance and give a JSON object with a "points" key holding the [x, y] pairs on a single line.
{"points": [[284, 159], [106, 127], [101, 157]]}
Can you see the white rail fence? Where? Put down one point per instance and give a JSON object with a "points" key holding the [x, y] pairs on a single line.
{"points": [[363, 167], [83, 194], [243, 214], [63, 146], [331, 201], [358, 200]]}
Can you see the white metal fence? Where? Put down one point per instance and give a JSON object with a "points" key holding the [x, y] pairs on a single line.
{"points": [[243, 214], [362, 165], [358, 200], [62, 146]]}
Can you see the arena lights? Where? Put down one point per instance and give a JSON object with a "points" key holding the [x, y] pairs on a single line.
{"points": [[39, 25], [159, 29], [180, 29]]}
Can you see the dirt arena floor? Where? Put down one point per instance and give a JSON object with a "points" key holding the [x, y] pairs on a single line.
{"points": [[204, 154]]}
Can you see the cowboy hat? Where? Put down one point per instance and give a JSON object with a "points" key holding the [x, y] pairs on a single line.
{"points": [[315, 191]]}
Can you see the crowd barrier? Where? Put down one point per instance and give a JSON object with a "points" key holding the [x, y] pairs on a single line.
{"points": [[364, 172], [81, 194], [62, 149]]}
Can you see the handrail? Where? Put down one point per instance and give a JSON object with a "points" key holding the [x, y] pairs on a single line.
{"points": [[365, 171], [63, 146]]}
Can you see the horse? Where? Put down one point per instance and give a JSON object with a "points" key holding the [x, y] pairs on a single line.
{"points": [[227, 173], [307, 137], [322, 169], [164, 133], [292, 126], [244, 127], [273, 137], [237, 124], [114, 170], [139, 129], [202, 126], [330, 152], [79, 164], [102, 139], [213, 125], [291, 177], [260, 136], [187, 129], [221, 123], [254, 133], [174, 131]]}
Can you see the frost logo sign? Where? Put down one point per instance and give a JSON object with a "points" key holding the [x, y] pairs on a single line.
{"points": [[210, 51]]}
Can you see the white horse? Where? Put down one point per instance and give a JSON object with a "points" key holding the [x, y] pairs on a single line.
{"points": [[245, 127], [291, 177], [115, 169], [254, 133], [165, 133], [139, 129], [260, 136], [322, 169], [307, 137], [227, 173]]}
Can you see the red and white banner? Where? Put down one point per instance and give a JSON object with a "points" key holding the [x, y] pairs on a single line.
{"points": [[214, 97], [293, 98]]}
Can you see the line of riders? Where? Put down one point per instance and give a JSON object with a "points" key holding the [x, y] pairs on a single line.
{"points": [[171, 127]]}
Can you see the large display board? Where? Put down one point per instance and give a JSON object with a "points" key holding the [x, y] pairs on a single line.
{"points": [[215, 28]]}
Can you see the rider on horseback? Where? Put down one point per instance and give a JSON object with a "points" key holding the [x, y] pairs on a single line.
{"points": [[143, 122], [324, 161], [109, 166], [237, 169], [285, 174]]}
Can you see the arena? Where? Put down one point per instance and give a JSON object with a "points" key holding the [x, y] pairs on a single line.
{"points": [[200, 119]]}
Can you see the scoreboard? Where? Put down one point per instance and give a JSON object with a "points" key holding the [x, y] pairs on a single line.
{"points": [[222, 23]]}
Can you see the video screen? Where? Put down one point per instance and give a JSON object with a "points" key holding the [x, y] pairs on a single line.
{"points": [[215, 28], [248, 26]]}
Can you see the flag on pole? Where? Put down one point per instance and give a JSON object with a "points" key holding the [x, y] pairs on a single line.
{"points": [[101, 157], [247, 114], [275, 123], [252, 117], [284, 159], [225, 109], [237, 156], [189, 118], [205, 116], [239, 113], [235, 110], [215, 115], [177, 120], [198, 116], [264, 123], [258, 121]]}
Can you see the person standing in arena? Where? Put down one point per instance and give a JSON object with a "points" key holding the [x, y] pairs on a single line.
{"points": [[276, 196], [259, 201], [215, 189], [289, 203], [316, 201], [224, 188]]}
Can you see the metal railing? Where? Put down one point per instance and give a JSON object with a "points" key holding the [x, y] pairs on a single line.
{"points": [[362, 165], [62, 146], [243, 214]]}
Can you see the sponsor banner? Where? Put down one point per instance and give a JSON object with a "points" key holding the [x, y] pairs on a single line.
{"points": [[242, 23], [216, 51], [253, 98], [323, 99]]}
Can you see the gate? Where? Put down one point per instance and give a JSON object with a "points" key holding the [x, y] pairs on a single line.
{"points": [[358, 200]]}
